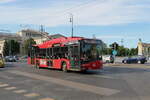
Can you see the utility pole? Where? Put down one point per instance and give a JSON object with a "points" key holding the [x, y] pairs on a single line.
{"points": [[122, 41], [71, 21]]}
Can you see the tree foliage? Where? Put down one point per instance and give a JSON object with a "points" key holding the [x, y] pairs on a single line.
{"points": [[6, 49], [122, 51], [27, 44], [11, 47]]}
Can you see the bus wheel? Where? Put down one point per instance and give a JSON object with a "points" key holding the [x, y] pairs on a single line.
{"points": [[83, 71], [64, 67]]}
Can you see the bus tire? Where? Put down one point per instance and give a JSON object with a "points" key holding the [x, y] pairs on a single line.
{"points": [[64, 67], [84, 71]]}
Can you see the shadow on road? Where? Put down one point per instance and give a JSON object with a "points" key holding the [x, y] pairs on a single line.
{"points": [[116, 70], [105, 71]]}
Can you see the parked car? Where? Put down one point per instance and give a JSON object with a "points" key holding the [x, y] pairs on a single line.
{"points": [[138, 59], [10, 59], [1, 62], [16, 57], [108, 59], [24, 57]]}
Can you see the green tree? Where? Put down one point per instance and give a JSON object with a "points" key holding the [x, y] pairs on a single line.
{"points": [[106, 50], [14, 47], [6, 48], [133, 51], [122, 51], [11, 47], [27, 44]]}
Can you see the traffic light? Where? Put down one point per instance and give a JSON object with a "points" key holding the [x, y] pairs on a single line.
{"points": [[115, 46]]}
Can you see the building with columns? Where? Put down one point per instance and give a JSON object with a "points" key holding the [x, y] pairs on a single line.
{"points": [[1, 46], [143, 48]]}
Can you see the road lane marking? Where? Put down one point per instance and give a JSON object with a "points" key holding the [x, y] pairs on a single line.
{"points": [[31, 95], [102, 76], [20, 91], [71, 84], [10, 88], [46, 99], [4, 85]]}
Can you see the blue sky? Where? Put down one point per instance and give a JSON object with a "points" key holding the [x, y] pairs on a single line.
{"points": [[109, 20]]}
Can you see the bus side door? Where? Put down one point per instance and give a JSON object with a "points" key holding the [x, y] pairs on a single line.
{"points": [[74, 55]]}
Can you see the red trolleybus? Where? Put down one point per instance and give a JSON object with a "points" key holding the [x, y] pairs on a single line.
{"points": [[67, 53]]}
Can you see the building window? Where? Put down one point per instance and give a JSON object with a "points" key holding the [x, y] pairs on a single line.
{"points": [[27, 34]]}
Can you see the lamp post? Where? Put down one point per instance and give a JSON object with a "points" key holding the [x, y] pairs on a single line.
{"points": [[71, 21]]}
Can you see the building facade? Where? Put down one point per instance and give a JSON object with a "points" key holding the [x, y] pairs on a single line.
{"points": [[29, 33], [2, 46], [49, 37], [21, 36], [143, 48]]}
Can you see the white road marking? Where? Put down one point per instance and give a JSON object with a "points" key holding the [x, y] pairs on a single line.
{"points": [[3, 85], [10, 88], [31, 95], [20, 91], [46, 99], [71, 84], [104, 76]]}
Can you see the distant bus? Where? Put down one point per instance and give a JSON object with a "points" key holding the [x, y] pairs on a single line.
{"points": [[67, 53]]}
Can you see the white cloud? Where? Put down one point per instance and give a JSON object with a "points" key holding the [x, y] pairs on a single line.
{"points": [[128, 40], [6, 1], [115, 36], [100, 12]]}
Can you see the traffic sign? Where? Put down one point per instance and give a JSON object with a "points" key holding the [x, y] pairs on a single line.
{"points": [[114, 52]]}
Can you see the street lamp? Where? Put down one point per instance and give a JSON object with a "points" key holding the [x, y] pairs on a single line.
{"points": [[71, 21]]}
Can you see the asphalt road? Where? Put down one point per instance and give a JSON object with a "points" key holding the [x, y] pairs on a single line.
{"points": [[19, 81]]}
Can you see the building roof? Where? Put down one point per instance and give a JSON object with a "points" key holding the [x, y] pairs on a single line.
{"points": [[33, 31], [8, 36], [146, 44], [54, 36]]}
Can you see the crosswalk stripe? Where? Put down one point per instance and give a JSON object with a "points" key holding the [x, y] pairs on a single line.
{"points": [[10, 88], [31, 95], [20, 91], [46, 99], [3, 85], [102, 76]]}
